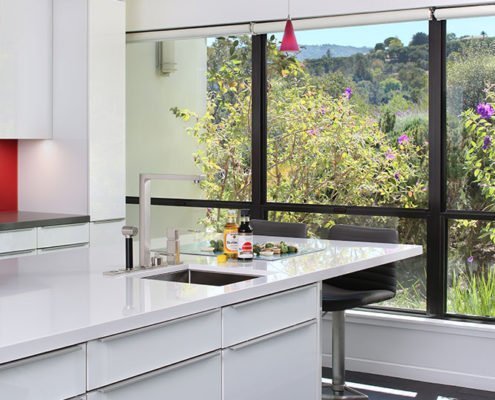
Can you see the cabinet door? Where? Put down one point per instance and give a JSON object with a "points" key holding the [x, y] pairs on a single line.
{"points": [[21, 240], [63, 235], [198, 378], [128, 354], [258, 317], [26, 69], [55, 375], [282, 365], [106, 112]]}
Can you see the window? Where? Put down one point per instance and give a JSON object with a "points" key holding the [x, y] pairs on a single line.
{"points": [[342, 134], [411, 273], [470, 91], [189, 112], [348, 121]]}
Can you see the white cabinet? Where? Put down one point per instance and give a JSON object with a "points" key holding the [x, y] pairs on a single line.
{"points": [[267, 314], [55, 375], [106, 109], [82, 170], [282, 365], [18, 241], [128, 354], [26, 69], [198, 378], [63, 235]]}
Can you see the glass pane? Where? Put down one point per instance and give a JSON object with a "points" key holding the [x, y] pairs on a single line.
{"points": [[193, 223], [470, 97], [411, 289], [348, 121], [471, 271], [189, 112]]}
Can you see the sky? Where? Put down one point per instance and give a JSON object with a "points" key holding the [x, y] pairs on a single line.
{"points": [[369, 35]]}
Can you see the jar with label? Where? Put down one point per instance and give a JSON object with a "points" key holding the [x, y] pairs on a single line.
{"points": [[245, 238], [230, 235]]}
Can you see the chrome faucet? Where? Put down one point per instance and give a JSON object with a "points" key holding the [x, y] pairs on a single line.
{"points": [[145, 210]]}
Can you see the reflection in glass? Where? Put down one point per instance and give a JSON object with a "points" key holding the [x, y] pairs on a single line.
{"points": [[191, 115]]}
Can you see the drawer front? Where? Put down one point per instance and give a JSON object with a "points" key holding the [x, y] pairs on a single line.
{"points": [[56, 375], [258, 317], [135, 352], [198, 378], [63, 235], [17, 241], [283, 365]]}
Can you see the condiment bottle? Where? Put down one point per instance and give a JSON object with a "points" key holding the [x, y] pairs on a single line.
{"points": [[245, 238], [230, 235]]}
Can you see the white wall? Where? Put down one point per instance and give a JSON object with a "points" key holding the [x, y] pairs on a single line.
{"points": [[159, 14], [157, 141], [445, 352], [53, 174]]}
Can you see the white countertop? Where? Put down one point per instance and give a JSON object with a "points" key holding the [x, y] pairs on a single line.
{"points": [[55, 300]]}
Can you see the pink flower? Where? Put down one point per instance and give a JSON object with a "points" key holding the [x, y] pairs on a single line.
{"points": [[403, 139], [389, 155]]}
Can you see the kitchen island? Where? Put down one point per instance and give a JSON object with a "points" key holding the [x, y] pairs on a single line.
{"points": [[68, 330]]}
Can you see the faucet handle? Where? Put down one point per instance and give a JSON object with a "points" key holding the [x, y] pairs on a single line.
{"points": [[172, 234], [173, 247]]}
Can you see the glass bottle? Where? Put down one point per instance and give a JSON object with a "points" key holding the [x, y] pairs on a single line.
{"points": [[245, 238], [230, 235]]}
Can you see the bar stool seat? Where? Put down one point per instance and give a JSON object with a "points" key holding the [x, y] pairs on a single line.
{"points": [[352, 290], [337, 299]]}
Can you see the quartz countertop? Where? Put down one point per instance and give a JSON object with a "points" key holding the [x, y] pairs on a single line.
{"points": [[12, 220], [63, 298]]}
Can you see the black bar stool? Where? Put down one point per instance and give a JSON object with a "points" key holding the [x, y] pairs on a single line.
{"points": [[354, 290], [283, 229]]}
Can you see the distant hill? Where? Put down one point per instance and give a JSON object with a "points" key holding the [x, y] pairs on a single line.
{"points": [[318, 51]]}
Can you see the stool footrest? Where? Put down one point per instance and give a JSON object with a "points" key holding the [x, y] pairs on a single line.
{"points": [[329, 393]]}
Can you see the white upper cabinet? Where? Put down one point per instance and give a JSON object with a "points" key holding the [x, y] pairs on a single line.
{"points": [[106, 109], [25, 69]]}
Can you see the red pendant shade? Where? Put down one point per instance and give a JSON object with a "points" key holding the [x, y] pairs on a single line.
{"points": [[289, 42]]}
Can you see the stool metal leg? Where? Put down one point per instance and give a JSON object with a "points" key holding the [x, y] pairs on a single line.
{"points": [[338, 390]]}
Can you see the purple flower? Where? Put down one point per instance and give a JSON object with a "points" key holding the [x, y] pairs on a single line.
{"points": [[313, 132], [470, 259], [389, 155], [323, 110], [403, 139], [397, 176], [485, 110], [487, 141], [348, 93]]}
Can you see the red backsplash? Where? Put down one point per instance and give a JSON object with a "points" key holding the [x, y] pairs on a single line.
{"points": [[8, 175]]}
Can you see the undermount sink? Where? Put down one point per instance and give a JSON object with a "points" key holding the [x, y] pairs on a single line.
{"points": [[201, 277]]}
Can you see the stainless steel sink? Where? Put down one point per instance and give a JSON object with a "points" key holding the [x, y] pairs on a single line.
{"points": [[201, 277]]}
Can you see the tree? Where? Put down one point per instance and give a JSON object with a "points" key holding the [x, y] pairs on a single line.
{"points": [[419, 39], [321, 147]]}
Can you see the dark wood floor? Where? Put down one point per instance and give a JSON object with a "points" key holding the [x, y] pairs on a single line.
{"points": [[423, 390]]}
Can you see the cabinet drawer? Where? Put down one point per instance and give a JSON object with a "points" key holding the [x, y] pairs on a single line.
{"points": [[121, 356], [56, 375], [198, 378], [62, 235], [281, 365], [260, 316], [17, 241]]}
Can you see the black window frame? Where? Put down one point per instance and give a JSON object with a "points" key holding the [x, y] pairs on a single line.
{"points": [[436, 215]]}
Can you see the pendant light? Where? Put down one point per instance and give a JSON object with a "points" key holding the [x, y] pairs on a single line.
{"points": [[289, 42]]}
